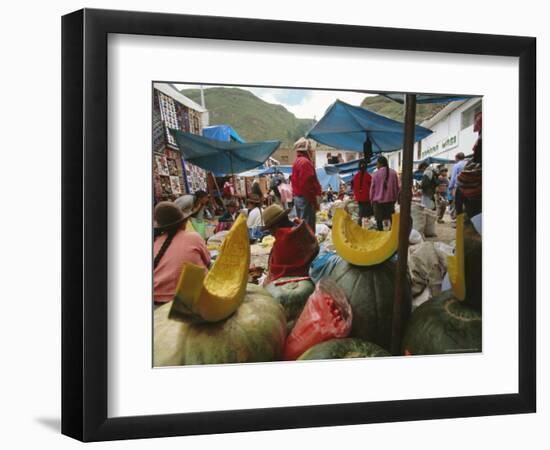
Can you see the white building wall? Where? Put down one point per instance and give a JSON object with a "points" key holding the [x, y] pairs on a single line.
{"points": [[446, 140]]}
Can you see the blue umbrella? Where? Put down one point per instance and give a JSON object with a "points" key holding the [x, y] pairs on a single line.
{"points": [[348, 127], [222, 156]]}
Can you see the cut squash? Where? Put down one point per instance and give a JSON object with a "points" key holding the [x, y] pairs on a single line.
{"points": [[455, 263], [215, 295], [360, 246]]}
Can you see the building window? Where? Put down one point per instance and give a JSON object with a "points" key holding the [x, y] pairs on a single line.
{"points": [[468, 116]]}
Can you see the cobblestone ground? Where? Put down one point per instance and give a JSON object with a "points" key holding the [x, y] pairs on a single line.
{"points": [[444, 231]]}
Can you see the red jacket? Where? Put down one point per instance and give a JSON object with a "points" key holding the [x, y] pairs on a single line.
{"points": [[362, 193], [304, 180]]}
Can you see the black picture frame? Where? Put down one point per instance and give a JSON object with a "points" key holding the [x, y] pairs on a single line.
{"points": [[84, 224]]}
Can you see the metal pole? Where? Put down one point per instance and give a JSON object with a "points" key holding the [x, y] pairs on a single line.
{"points": [[404, 224]]}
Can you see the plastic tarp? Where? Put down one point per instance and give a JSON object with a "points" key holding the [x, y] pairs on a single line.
{"points": [[429, 98], [347, 127], [223, 157], [222, 133], [349, 167], [435, 160], [326, 179], [280, 168], [347, 177]]}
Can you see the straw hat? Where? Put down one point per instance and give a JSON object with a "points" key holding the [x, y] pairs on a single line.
{"points": [[254, 198], [167, 215], [273, 214], [303, 145]]}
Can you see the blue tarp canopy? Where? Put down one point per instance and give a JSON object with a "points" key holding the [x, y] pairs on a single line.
{"points": [[223, 157], [278, 168], [326, 179], [429, 98], [222, 133], [347, 177], [349, 167], [434, 159], [346, 127]]}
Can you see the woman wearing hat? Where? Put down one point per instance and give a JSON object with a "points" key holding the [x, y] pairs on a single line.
{"points": [[295, 244], [254, 221], [172, 248], [305, 185]]}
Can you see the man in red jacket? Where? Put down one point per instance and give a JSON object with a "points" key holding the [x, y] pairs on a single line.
{"points": [[361, 191], [305, 185]]}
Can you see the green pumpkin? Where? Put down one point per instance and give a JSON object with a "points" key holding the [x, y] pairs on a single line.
{"points": [[472, 265], [370, 292], [292, 296], [443, 325], [255, 332], [343, 348]]}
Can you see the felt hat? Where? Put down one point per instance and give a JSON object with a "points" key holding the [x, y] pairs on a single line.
{"points": [[273, 214], [186, 203], [167, 215], [254, 198], [303, 145]]}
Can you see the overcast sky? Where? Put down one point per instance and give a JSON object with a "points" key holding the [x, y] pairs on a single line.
{"points": [[303, 103]]}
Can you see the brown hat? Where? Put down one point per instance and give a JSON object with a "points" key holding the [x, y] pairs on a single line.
{"points": [[254, 198], [167, 215], [273, 214]]}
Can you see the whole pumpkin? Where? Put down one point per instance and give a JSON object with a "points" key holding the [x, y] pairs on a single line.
{"points": [[255, 332], [292, 296], [370, 292], [472, 265], [343, 348], [443, 325]]}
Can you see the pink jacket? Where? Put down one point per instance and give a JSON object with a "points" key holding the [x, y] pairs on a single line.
{"points": [[187, 246], [389, 194]]}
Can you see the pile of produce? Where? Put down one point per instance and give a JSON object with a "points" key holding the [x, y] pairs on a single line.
{"points": [[215, 295], [256, 332], [360, 246], [343, 348], [370, 292], [216, 317], [443, 325], [451, 322], [292, 294]]}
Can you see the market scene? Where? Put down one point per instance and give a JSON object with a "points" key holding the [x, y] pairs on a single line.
{"points": [[353, 233]]}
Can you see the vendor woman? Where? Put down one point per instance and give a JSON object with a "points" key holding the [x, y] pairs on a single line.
{"points": [[173, 247], [295, 244], [254, 220]]}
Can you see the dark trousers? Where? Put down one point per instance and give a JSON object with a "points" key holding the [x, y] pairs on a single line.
{"points": [[383, 211], [365, 210]]}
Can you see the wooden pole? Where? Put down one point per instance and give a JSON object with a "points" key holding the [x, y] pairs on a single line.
{"points": [[404, 224]]}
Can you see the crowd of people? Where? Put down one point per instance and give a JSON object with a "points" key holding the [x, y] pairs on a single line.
{"points": [[288, 211]]}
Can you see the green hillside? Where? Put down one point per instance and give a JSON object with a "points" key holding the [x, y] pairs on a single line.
{"points": [[257, 120], [394, 110], [253, 118]]}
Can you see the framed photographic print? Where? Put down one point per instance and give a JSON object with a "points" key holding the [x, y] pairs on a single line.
{"points": [[273, 224]]}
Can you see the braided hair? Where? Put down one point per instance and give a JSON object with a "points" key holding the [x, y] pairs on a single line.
{"points": [[170, 234], [383, 162], [362, 169]]}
